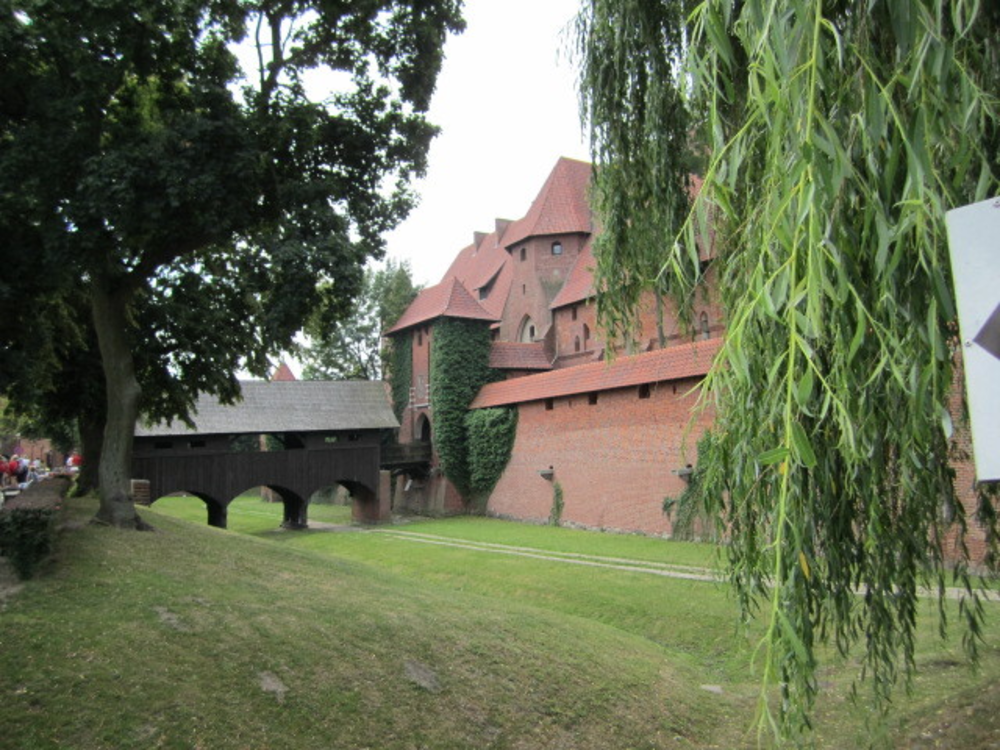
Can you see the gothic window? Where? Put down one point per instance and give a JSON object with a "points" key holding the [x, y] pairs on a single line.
{"points": [[527, 334]]}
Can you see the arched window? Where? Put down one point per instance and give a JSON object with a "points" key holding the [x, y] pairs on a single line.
{"points": [[705, 333], [423, 429], [576, 344], [524, 253], [527, 334], [586, 336]]}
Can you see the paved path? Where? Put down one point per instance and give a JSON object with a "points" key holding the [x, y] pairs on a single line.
{"points": [[668, 570]]}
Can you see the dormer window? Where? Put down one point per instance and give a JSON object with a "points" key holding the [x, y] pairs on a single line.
{"points": [[557, 248]]}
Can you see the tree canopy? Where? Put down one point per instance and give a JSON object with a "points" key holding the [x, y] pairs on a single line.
{"points": [[352, 346], [195, 169], [837, 135]]}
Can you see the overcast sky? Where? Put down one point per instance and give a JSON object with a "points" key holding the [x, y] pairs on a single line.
{"points": [[507, 104]]}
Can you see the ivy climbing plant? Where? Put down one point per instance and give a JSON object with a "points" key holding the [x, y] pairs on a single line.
{"points": [[460, 366], [491, 440], [401, 366]]}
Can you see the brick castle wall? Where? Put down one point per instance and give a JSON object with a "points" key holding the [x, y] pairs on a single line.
{"points": [[614, 459]]}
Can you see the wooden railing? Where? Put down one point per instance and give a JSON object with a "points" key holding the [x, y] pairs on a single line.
{"points": [[399, 455]]}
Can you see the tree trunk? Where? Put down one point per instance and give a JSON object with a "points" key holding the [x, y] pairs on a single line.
{"points": [[110, 321], [91, 426]]}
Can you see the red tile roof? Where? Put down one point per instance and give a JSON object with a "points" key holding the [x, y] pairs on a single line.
{"points": [[507, 355], [447, 299], [672, 363], [580, 282], [561, 207], [283, 374]]}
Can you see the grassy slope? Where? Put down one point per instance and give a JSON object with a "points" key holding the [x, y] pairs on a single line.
{"points": [[163, 640]]}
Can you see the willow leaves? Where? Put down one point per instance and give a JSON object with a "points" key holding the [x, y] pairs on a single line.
{"points": [[838, 134]]}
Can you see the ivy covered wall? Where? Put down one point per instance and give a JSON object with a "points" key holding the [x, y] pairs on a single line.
{"points": [[459, 368], [491, 440], [401, 371]]}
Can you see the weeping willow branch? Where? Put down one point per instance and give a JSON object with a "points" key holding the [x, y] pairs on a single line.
{"points": [[838, 136]]}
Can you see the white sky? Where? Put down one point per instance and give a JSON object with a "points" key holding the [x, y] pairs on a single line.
{"points": [[507, 105], [506, 102]]}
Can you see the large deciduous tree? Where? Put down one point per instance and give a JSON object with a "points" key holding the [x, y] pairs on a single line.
{"points": [[351, 346], [837, 136], [197, 201]]}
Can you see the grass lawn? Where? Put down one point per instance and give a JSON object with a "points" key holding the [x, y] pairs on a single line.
{"points": [[248, 514], [431, 634]]}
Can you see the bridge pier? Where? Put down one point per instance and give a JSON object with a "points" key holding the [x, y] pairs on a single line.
{"points": [[374, 507], [295, 517], [218, 514]]}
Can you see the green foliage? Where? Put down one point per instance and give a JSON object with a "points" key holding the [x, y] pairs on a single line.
{"points": [[838, 139], [689, 518], [555, 514], [26, 538], [459, 368], [196, 205], [352, 346], [401, 352], [640, 132], [491, 440]]}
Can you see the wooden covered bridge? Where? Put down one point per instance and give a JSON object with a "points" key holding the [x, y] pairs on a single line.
{"points": [[293, 437]]}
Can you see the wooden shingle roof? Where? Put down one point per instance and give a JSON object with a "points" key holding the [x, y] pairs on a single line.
{"points": [[288, 406], [673, 363]]}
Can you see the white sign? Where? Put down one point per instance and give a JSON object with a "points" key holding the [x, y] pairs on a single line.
{"points": [[974, 243]]}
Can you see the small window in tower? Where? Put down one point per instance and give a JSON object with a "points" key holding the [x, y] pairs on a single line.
{"points": [[576, 344], [524, 254], [592, 398], [531, 332], [705, 333], [524, 288], [557, 248], [420, 338], [586, 335], [644, 390], [549, 404]]}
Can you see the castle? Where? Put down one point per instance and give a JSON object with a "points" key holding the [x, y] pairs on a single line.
{"points": [[615, 434], [613, 431]]}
